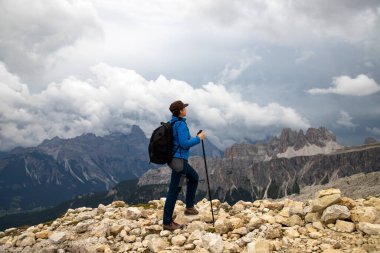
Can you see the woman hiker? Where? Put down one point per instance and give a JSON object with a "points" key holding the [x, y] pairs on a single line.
{"points": [[182, 142]]}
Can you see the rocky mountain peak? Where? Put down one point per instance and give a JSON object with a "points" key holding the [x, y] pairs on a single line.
{"points": [[327, 223], [316, 140], [314, 136], [51, 142], [288, 137], [319, 136], [370, 140]]}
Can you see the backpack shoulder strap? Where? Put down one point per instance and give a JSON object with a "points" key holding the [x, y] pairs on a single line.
{"points": [[179, 145]]}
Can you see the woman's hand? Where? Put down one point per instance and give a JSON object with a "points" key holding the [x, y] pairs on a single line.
{"points": [[202, 135]]}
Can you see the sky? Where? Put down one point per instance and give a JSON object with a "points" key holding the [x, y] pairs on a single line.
{"points": [[248, 69]]}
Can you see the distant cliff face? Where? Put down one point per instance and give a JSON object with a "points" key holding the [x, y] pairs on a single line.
{"points": [[289, 144], [59, 169]]}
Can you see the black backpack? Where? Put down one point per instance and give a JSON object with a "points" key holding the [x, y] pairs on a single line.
{"points": [[161, 144]]}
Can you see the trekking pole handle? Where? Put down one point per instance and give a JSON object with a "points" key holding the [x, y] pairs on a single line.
{"points": [[200, 131]]}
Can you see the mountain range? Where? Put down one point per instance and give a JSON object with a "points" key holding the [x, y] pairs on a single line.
{"points": [[276, 168], [95, 167], [59, 169]]}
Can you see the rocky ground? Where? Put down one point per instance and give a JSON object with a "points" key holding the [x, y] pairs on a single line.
{"points": [[327, 223]]}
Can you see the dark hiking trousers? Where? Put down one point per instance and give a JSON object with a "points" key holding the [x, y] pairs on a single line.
{"points": [[175, 188]]}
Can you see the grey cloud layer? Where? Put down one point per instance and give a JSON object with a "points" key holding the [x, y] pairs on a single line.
{"points": [[33, 31], [265, 53], [117, 98]]}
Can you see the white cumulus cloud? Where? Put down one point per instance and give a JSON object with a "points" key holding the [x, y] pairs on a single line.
{"points": [[305, 56], [231, 72], [345, 119], [362, 85], [373, 130], [115, 98]]}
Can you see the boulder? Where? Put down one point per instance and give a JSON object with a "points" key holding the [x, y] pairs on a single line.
{"points": [[350, 203], [285, 212], [186, 219], [189, 246], [364, 214], [205, 215], [213, 243], [132, 213], [254, 223], [318, 225], [44, 234], [240, 231], [332, 251], [335, 212], [83, 226], [178, 240], [118, 203], [259, 246], [372, 201], [116, 229], [291, 233], [236, 222], [312, 217], [222, 225], [278, 205], [318, 205], [369, 228], [58, 237], [296, 207], [268, 218], [237, 208], [273, 232], [129, 238], [330, 191], [157, 244], [101, 209], [293, 221], [196, 235], [197, 225], [26, 239], [315, 235], [345, 226]]}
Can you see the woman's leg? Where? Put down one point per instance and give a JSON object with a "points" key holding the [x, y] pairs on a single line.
{"points": [[192, 184], [171, 197]]}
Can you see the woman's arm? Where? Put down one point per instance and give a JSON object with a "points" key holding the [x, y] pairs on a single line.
{"points": [[183, 133]]}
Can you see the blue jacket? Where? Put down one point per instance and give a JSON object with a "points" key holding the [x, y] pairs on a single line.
{"points": [[182, 141]]}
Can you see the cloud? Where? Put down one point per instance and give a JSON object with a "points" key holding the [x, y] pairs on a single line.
{"points": [[115, 98], [305, 56], [374, 130], [345, 120], [231, 73], [33, 32], [281, 21], [344, 85]]}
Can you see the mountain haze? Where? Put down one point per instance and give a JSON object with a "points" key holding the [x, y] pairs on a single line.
{"points": [[58, 169]]}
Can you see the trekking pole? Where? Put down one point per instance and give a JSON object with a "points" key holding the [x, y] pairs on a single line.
{"points": [[208, 183]]}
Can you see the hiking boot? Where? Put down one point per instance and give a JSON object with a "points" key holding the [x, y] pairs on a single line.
{"points": [[172, 226], [191, 211]]}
